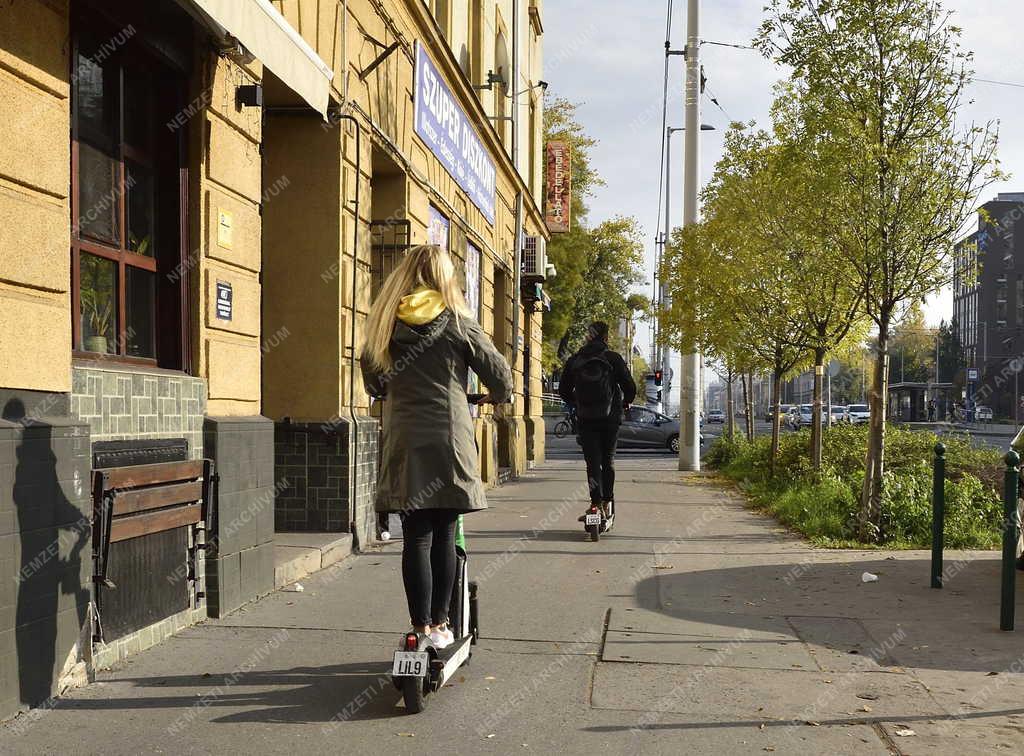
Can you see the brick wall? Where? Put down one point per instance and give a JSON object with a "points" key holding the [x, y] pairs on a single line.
{"points": [[45, 557], [240, 550], [314, 463], [120, 405]]}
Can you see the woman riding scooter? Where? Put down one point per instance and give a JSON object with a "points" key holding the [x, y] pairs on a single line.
{"points": [[421, 343]]}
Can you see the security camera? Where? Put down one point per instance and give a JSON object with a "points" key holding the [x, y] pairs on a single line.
{"points": [[543, 85]]}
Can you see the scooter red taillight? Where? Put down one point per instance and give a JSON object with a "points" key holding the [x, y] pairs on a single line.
{"points": [[411, 641]]}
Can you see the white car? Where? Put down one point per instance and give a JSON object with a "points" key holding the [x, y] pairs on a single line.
{"points": [[716, 416], [839, 415], [859, 413]]}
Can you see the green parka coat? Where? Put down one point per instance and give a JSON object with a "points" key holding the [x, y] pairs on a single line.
{"points": [[429, 457]]}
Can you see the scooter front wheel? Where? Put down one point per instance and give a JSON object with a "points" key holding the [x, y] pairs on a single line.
{"points": [[414, 694]]}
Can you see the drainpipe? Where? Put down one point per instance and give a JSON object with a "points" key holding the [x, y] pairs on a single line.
{"points": [[517, 273], [353, 477]]}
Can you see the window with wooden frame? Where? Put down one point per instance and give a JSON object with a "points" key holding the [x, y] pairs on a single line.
{"points": [[128, 199]]}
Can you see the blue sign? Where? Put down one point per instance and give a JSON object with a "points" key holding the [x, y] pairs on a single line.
{"points": [[446, 129]]}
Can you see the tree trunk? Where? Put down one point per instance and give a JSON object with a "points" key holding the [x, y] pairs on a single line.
{"points": [[870, 516], [730, 407], [776, 403], [750, 407], [819, 369], [746, 405]]}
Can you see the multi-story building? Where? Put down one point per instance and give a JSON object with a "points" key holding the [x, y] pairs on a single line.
{"points": [[988, 301], [198, 201]]}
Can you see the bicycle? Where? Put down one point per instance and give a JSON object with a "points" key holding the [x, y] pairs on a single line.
{"points": [[565, 426]]}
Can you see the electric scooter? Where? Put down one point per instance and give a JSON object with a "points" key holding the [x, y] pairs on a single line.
{"points": [[598, 519], [418, 668]]}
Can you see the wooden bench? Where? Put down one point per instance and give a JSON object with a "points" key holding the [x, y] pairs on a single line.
{"points": [[129, 502]]}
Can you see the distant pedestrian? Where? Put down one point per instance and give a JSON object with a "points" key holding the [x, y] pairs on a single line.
{"points": [[421, 343], [597, 383]]}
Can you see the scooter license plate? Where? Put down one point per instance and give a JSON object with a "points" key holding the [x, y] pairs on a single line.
{"points": [[593, 519], [410, 664]]}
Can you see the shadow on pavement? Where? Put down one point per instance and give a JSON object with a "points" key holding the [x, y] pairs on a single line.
{"points": [[825, 603], [324, 694]]}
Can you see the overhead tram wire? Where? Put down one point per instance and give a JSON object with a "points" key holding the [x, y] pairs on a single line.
{"points": [[1000, 83], [661, 160]]}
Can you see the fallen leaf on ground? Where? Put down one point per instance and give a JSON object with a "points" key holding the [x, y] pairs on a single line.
{"points": [[407, 734], [761, 726], [905, 732], [664, 566], [812, 723], [490, 677], [490, 736], [868, 696], [865, 707]]}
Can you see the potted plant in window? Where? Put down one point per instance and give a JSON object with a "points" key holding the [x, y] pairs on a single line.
{"points": [[96, 311], [97, 306]]}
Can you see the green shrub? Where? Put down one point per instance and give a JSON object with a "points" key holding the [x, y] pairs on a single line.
{"points": [[724, 450], [823, 505]]}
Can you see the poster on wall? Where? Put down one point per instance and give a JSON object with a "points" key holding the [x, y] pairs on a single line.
{"points": [[438, 227], [558, 187], [449, 134], [473, 300], [473, 279]]}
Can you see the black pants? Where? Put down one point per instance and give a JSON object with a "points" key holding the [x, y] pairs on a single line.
{"points": [[599, 452], [428, 563]]}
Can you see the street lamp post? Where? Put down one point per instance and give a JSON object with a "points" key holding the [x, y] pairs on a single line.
{"points": [[665, 350]]}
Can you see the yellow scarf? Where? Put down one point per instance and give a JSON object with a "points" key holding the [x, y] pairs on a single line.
{"points": [[420, 307]]}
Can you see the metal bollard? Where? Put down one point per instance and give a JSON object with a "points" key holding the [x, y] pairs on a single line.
{"points": [[1011, 487], [938, 512]]}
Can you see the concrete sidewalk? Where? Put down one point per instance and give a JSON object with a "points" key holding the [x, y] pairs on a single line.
{"points": [[696, 626]]}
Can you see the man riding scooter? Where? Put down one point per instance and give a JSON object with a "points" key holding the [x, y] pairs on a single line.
{"points": [[598, 384]]}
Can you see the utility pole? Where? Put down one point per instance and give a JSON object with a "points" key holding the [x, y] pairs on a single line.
{"points": [[689, 394]]}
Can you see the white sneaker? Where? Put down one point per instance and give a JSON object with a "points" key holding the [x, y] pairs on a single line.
{"points": [[442, 638]]}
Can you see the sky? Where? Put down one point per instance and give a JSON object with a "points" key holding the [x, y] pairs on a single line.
{"points": [[608, 57]]}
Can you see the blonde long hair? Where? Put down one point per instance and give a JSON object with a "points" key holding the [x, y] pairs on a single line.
{"points": [[426, 265]]}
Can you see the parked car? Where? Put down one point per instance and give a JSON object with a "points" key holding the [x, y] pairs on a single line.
{"points": [[804, 413], [716, 416], [645, 428], [784, 411], [859, 413], [840, 414], [983, 414]]}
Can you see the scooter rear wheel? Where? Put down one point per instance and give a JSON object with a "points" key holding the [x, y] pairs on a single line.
{"points": [[414, 694], [595, 532]]}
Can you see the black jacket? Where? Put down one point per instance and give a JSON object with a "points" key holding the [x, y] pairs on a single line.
{"points": [[624, 385]]}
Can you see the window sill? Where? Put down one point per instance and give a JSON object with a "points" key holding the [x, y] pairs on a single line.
{"points": [[122, 365]]}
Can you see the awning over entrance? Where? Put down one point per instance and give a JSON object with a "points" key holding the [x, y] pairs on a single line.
{"points": [[265, 33]]}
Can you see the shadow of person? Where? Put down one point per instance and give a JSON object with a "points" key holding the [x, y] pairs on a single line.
{"points": [[52, 582]]}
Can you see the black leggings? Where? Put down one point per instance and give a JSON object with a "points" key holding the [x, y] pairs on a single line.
{"points": [[428, 563]]}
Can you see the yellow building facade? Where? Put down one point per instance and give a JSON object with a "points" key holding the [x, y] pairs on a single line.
{"points": [[198, 202]]}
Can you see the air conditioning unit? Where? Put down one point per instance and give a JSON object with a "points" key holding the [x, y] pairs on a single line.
{"points": [[535, 258]]}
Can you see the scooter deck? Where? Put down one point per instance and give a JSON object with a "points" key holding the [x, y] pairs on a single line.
{"points": [[448, 660]]}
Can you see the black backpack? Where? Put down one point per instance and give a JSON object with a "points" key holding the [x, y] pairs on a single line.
{"points": [[595, 387]]}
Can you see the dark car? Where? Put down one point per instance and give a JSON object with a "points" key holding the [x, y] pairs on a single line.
{"points": [[645, 428]]}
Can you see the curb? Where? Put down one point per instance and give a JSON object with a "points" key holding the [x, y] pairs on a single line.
{"points": [[297, 555]]}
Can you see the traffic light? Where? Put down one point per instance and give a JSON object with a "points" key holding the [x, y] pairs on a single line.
{"points": [[657, 377]]}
